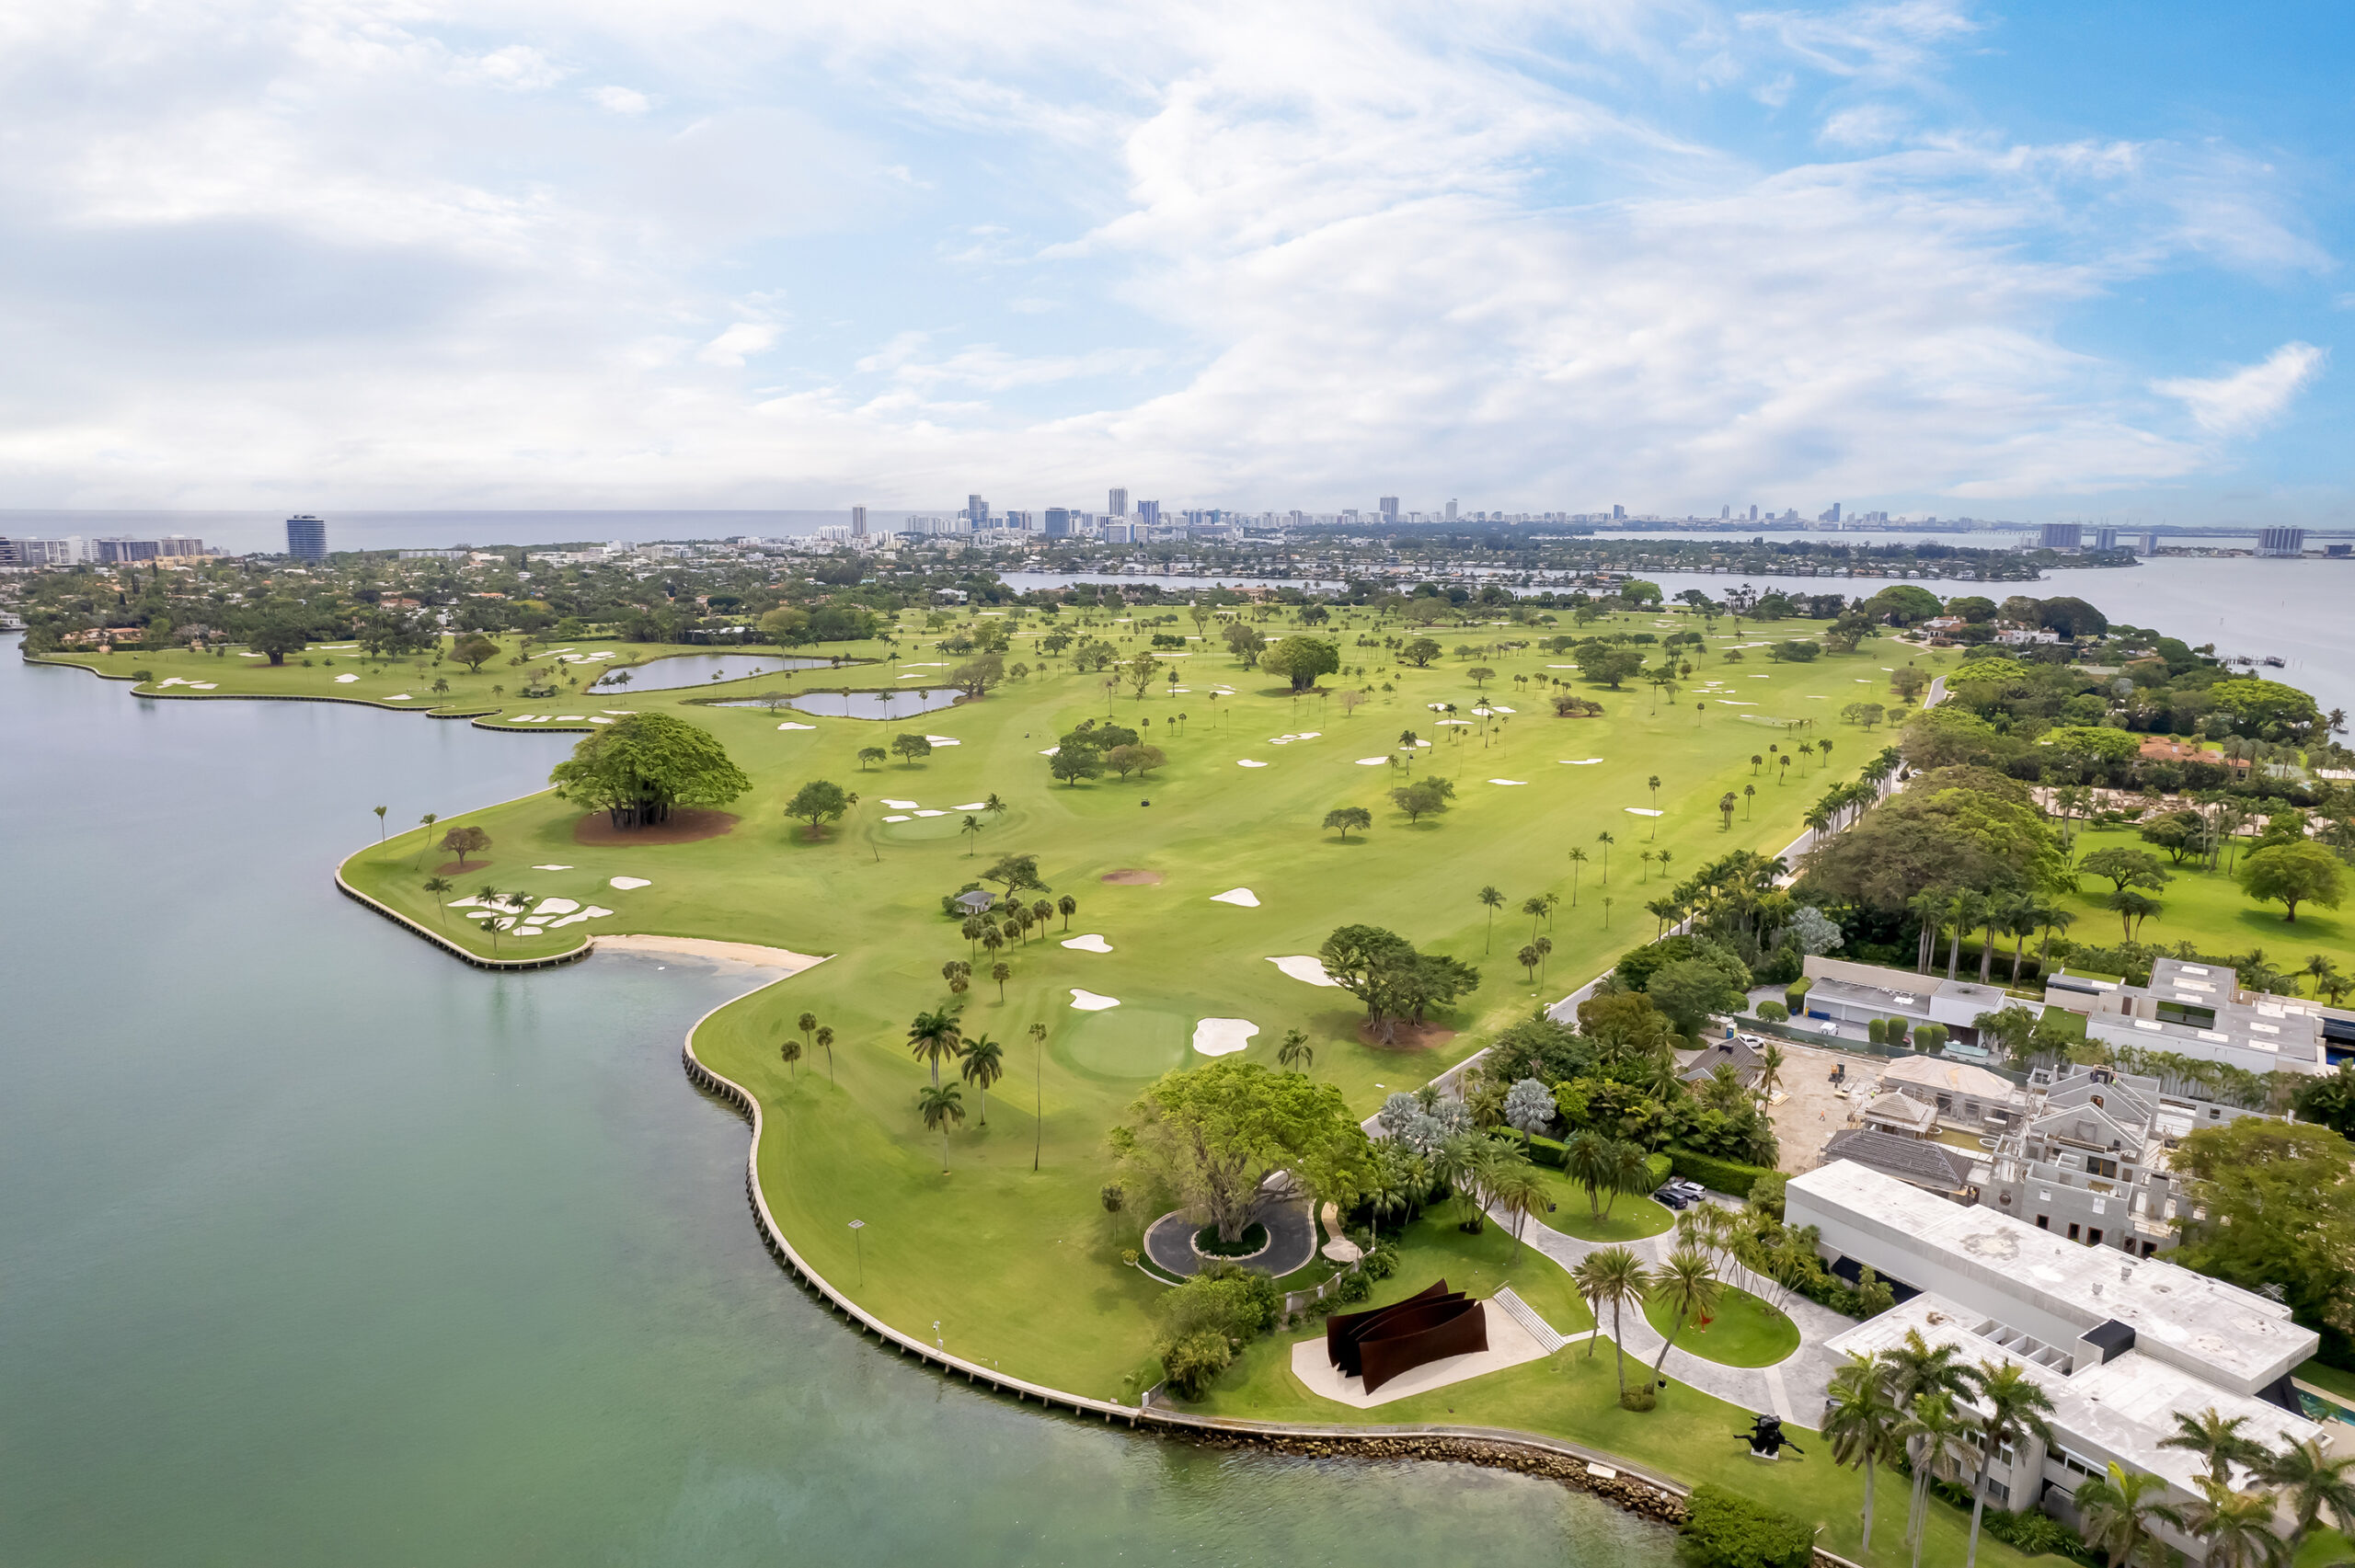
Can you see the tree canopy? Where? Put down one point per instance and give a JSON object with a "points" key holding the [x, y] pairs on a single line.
{"points": [[1301, 660], [1215, 1132], [1382, 969], [2290, 875], [819, 802], [1952, 828], [645, 764], [2274, 1203]]}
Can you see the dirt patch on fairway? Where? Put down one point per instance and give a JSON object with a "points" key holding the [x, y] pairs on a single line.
{"points": [[1132, 878], [451, 868], [1405, 1037], [685, 827]]}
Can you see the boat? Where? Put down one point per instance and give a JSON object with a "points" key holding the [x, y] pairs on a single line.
{"points": [[2275, 662]]}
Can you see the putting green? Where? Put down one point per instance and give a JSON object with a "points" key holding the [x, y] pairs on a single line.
{"points": [[1126, 1042]]}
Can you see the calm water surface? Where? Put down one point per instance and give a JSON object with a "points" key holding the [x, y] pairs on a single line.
{"points": [[700, 670], [317, 1248]]}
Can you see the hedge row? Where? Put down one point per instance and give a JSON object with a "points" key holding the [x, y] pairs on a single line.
{"points": [[1548, 1152], [1728, 1176]]}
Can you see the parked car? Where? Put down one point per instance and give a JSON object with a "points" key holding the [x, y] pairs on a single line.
{"points": [[1669, 1197]]}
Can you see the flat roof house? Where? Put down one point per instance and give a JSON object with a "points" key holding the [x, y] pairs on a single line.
{"points": [[2200, 1010]]}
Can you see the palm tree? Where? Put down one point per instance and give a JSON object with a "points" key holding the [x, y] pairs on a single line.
{"points": [[1917, 1367], [2218, 1440], [2119, 1510], [790, 1049], [1494, 900], [492, 898], [1535, 910], [1770, 1070], [984, 1064], [2237, 1526], [1748, 794], [1606, 840], [807, 1024], [826, 1042], [1295, 1054], [426, 843], [1936, 1433], [1862, 1420], [1613, 1276], [1067, 906], [2321, 966], [934, 1035], [942, 1108], [1687, 1287], [380, 811], [437, 886], [1586, 1159], [1528, 958], [2313, 1482], [1645, 857], [1578, 858], [1516, 1189], [1543, 948], [2016, 1406], [971, 830], [1037, 1092]]}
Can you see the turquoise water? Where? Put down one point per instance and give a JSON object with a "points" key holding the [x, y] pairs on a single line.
{"points": [[317, 1248]]}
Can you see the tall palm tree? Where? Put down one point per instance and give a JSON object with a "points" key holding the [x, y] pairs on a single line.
{"points": [[1687, 1287], [934, 1035], [1067, 906], [1646, 857], [437, 886], [942, 1109], [1917, 1367], [807, 1024], [1492, 900], [971, 830], [1613, 1276], [983, 1064], [1936, 1433], [2237, 1526], [2218, 1440], [1000, 972], [1295, 1054], [1963, 906], [1534, 908], [2016, 1405], [1630, 1171], [1586, 1159], [1863, 1422], [1771, 1062], [1037, 1092], [2314, 1483], [1517, 1189], [2119, 1510], [426, 841], [1578, 858], [790, 1049], [1606, 840], [824, 1040]]}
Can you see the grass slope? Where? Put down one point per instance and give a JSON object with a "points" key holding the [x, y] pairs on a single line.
{"points": [[1742, 1330], [2205, 907]]}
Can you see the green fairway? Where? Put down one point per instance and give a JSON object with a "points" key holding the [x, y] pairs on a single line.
{"points": [[1742, 1330], [1023, 1268], [1632, 1218], [2206, 908]]}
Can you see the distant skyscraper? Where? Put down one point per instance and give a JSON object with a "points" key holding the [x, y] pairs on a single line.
{"points": [[1119, 504], [1618, 513], [2061, 536], [1451, 511], [1724, 512], [1148, 513], [1753, 511], [1059, 519], [977, 511], [2281, 541], [1390, 509], [859, 522], [307, 538], [2105, 539]]}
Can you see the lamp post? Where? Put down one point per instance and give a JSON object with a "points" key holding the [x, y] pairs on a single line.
{"points": [[859, 1243]]}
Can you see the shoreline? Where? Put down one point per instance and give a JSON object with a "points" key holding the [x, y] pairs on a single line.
{"points": [[749, 952]]}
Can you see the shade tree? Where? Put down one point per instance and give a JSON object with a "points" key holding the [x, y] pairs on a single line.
{"points": [[1215, 1132], [645, 766]]}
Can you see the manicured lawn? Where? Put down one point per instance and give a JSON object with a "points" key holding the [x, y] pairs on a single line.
{"points": [[1021, 1267], [2206, 908], [2330, 1380], [1742, 1330], [1574, 1394], [1633, 1216]]}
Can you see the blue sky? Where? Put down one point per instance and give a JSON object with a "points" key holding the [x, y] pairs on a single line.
{"points": [[1925, 255]]}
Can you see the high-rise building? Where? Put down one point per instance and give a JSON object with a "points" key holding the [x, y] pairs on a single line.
{"points": [[1451, 511], [1148, 513], [2105, 539], [859, 522], [1753, 511], [2061, 536], [1119, 503], [1618, 513], [1724, 513], [307, 538], [977, 511], [1390, 509], [1058, 521], [2280, 542]]}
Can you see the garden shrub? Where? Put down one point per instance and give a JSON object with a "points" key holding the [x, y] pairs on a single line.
{"points": [[1722, 1531], [1658, 1168], [1774, 1013], [1728, 1176], [1205, 1321], [1794, 996], [1546, 1151]]}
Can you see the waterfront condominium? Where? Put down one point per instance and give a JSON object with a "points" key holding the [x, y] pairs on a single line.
{"points": [[1118, 504], [307, 538]]}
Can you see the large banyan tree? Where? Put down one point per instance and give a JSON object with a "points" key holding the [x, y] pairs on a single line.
{"points": [[645, 765]]}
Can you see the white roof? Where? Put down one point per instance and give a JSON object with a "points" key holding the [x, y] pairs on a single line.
{"points": [[1952, 1077]]}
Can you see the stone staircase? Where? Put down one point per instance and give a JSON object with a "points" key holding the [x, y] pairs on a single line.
{"points": [[1521, 1313]]}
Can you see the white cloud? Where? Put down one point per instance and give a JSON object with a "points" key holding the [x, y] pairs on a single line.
{"points": [[621, 100], [731, 347], [2251, 397], [518, 68]]}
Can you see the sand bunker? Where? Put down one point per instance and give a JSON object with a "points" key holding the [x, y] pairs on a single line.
{"points": [[396, 697], [1303, 967], [1223, 1037], [1243, 895], [1508, 780], [901, 805], [555, 907], [1091, 943], [791, 725], [972, 805], [551, 868], [1735, 703], [345, 679], [1088, 1001], [601, 720], [1644, 811], [896, 816], [1050, 751], [1374, 761], [932, 813], [944, 741], [627, 883], [1250, 763], [1581, 763], [1132, 878]]}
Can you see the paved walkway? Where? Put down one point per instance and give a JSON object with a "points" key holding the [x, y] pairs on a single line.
{"points": [[1792, 1388], [1169, 1240]]}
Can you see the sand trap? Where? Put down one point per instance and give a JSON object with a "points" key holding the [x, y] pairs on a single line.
{"points": [[932, 813], [1644, 811], [396, 697], [1181, 688], [551, 868], [600, 719], [627, 883], [620, 712], [1050, 751], [345, 679], [1088, 1001], [1501, 708], [1091, 943], [901, 805], [1464, 722], [1242, 895], [1734, 703], [205, 685], [1131, 877], [1305, 966], [1508, 780], [791, 725], [944, 741], [1250, 763], [1374, 761], [1423, 743], [972, 805], [1581, 762], [1281, 740], [555, 907], [897, 817], [1223, 1037], [1436, 707], [567, 718], [1308, 735]]}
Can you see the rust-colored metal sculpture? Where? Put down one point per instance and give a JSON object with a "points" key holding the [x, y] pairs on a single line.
{"points": [[1431, 1326]]}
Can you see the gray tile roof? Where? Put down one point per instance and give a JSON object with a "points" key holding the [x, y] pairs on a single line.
{"points": [[1907, 1159]]}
